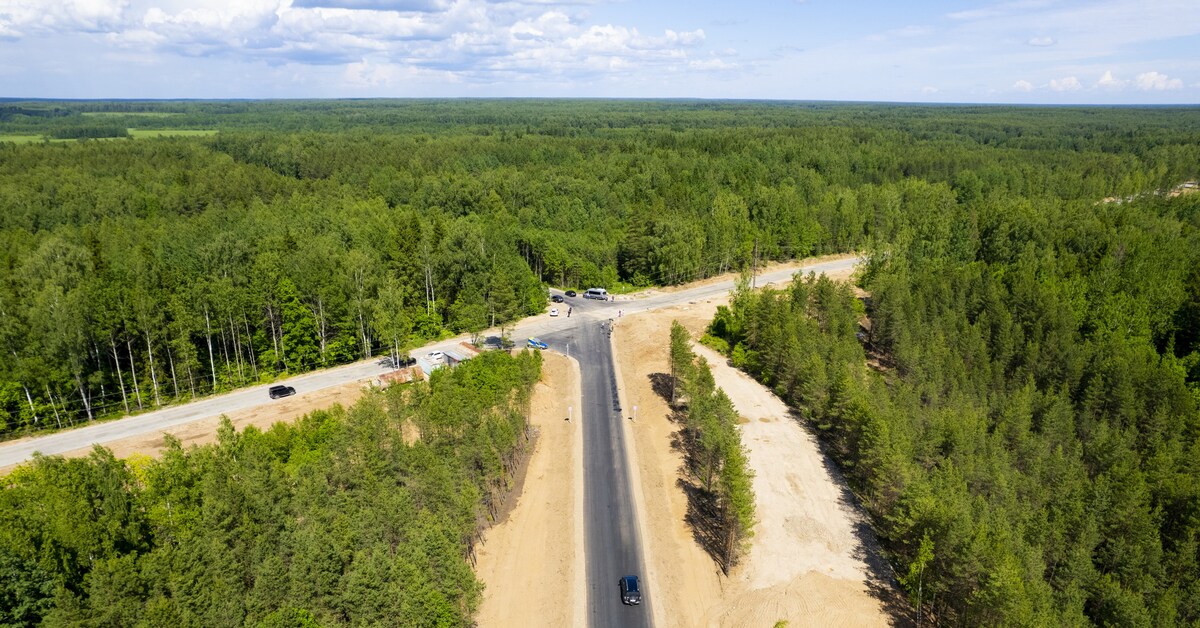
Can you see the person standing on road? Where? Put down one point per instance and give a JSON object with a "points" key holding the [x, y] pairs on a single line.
{"points": [[568, 312]]}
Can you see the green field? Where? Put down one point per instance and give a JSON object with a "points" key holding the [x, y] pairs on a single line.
{"points": [[21, 139], [140, 114], [140, 133], [134, 133]]}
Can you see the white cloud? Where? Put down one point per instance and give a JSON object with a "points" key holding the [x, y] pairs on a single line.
{"points": [[21, 18], [1023, 86], [1108, 81], [552, 24], [1068, 84], [377, 5], [1041, 41], [929, 89], [713, 64], [480, 40], [1154, 81]]}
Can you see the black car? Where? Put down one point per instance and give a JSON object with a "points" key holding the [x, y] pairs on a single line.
{"points": [[281, 391], [631, 591], [570, 293], [556, 298]]}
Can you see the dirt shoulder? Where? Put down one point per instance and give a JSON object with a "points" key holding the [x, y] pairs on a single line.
{"points": [[806, 562], [541, 540]]}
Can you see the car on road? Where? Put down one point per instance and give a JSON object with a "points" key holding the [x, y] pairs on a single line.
{"points": [[281, 391], [631, 590], [534, 343], [570, 293], [596, 293], [556, 298], [553, 311], [436, 357]]}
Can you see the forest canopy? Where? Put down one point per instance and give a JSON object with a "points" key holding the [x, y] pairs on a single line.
{"points": [[140, 271]]}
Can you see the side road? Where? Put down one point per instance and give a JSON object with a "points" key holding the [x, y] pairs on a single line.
{"points": [[249, 399]]}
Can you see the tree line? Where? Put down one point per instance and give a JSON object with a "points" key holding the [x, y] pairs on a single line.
{"points": [[338, 519], [1016, 404], [719, 479]]}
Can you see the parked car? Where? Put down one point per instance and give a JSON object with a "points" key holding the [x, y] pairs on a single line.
{"points": [[631, 591], [435, 357], [556, 298], [570, 293], [553, 311], [534, 343], [281, 391]]}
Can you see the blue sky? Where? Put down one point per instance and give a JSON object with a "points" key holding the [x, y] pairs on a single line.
{"points": [[1021, 51]]}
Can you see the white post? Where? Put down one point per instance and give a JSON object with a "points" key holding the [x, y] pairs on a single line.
{"points": [[570, 413]]}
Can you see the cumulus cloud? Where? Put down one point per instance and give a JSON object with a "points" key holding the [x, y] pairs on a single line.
{"points": [[1041, 41], [375, 5], [1023, 86], [1108, 81], [474, 39], [1153, 81], [1068, 84], [22, 18]]}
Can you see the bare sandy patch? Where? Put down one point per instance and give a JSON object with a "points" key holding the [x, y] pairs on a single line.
{"points": [[532, 562], [808, 525], [762, 269]]}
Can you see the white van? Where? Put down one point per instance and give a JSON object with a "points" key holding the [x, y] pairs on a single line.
{"points": [[596, 293]]}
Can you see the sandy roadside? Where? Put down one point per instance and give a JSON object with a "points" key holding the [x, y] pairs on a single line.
{"points": [[541, 541], [803, 565]]}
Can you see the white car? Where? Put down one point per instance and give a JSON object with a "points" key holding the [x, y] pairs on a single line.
{"points": [[553, 311], [435, 357]]}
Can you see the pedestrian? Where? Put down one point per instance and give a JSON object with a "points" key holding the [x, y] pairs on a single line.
{"points": [[568, 312]]}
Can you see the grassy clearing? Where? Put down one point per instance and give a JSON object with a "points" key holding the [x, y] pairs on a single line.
{"points": [[21, 139], [139, 133], [140, 114]]}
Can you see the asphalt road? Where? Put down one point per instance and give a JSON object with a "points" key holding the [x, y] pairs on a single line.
{"points": [[614, 548], [613, 545]]}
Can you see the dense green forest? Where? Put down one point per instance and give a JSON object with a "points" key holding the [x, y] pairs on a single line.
{"points": [[335, 520], [137, 272], [1028, 439]]}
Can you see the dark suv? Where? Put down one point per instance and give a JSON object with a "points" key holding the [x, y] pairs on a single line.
{"points": [[631, 592], [281, 391]]}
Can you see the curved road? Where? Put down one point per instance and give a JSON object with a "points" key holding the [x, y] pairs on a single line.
{"points": [[613, 544]]}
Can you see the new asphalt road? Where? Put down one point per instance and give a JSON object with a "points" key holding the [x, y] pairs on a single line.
{"points": [[613, 545]]}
